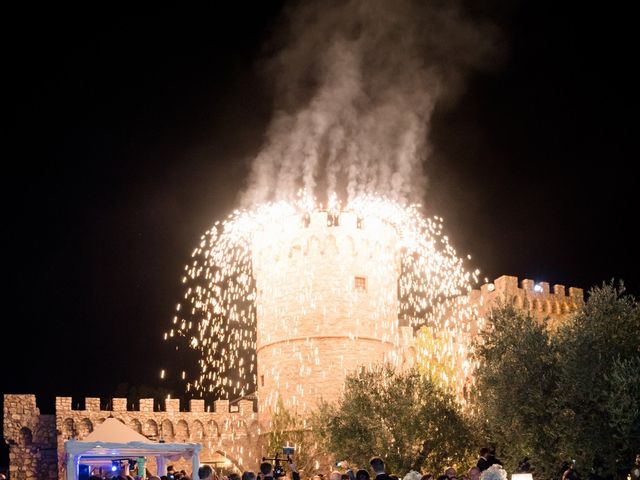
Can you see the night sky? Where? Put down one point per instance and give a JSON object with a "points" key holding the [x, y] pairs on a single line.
{"points": [[129, 135]]}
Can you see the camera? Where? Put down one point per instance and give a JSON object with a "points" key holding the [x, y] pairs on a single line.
{"points": [[288, 450], [278, 469]]}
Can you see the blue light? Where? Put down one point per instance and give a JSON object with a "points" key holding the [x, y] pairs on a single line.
{"points": [[113, 468]]}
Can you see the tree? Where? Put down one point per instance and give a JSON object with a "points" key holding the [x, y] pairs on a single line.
{"points": [[438, 357], [599, 393], [401, 416], [574, 394], [516, 383], [288, 429]]}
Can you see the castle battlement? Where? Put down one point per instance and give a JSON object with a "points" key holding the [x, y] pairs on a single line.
{"points": [[230, 430], [322, 233], [536, 298], [146, 405]]}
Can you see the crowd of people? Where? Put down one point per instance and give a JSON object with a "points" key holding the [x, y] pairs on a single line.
{"points": [[487, 460], [377, 466]]}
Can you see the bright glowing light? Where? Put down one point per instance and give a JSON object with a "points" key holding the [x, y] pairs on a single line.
{"points": [[218, 312], [538, 288], [521, 476]]}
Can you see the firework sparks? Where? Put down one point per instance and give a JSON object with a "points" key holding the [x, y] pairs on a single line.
{"points": [[218, 316]]}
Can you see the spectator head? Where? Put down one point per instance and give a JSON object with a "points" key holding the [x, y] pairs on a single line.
{"points": [[474, 473], [249, 475], [412, 475], [443, 477], [265, 468], [484, 451], [450, 472], [205, 472], [427, 476], [164, 477], [377, 465], [335, 475], [234, 476], [362, 475]]}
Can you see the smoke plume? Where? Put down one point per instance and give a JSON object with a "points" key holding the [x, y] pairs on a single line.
{"points": [[356, 83]]}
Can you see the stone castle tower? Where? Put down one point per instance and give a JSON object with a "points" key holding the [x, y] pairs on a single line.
{"points": [[327, 304]]}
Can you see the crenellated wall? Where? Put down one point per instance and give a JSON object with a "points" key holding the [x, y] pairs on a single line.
{"points": [[553, 308], [230, 431]]}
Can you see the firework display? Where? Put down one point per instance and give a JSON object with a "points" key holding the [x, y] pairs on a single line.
{"points": [[279, 278]]}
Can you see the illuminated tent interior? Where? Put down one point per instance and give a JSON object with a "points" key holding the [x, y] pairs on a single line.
{"points": [[114, 440]]}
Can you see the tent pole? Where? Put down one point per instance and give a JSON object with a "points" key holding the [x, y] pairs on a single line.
{"points": [[72, 474], [195, 465], [161, 462]]}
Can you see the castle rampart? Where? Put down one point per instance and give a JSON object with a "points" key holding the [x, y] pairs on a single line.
{"points": [[36, 441], [551, 308]]}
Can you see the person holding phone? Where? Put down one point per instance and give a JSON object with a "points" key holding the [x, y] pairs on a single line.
{"points": [[295, 475]]}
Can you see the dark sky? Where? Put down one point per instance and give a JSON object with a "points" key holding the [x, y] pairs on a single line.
{"points": [[129, 135]]}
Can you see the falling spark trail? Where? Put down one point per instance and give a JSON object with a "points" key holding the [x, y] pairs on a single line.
{"points": [[218, 315]]}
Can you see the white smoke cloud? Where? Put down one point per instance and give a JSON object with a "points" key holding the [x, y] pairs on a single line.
{"points": [[356, 84]]}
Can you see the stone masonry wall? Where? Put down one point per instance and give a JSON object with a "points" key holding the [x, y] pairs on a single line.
{"points": [[31, 438], [230, 431], [326, 305], [551, 308]]}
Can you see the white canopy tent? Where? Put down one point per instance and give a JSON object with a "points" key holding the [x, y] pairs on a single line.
{"points": [[114, 439]]}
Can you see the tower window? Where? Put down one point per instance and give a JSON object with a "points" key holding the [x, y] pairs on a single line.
{"points": [[361, 284], [262, 380]]}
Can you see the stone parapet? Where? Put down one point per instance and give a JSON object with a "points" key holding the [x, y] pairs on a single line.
{"points": [[36, 441], [536, 298], [26, 403]]}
